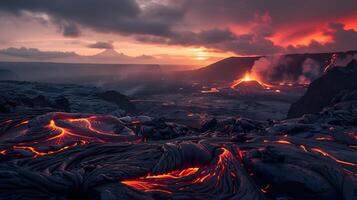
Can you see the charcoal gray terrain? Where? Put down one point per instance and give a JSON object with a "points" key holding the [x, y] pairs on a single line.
{"points": [[90, 144]]}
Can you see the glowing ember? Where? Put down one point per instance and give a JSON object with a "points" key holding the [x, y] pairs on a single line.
{"points": [[265, 189], [184, 178], [278, 141], [325, 138], [283, 142], [212, 90], [303, 148], [3, 152]]}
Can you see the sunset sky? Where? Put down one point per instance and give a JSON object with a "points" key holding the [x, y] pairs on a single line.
{"points": [[176, 31]]}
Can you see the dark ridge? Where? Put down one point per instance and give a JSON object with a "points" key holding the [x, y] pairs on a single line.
{"points": [[322, 91], [231, 68]]}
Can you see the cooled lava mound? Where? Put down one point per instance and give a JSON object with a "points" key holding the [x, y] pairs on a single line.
{"points": [[249, 86]]}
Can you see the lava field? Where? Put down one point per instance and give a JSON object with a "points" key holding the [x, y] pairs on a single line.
{"points": [[47, 154]]}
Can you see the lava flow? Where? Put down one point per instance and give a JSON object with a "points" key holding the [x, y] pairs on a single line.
{"points": [[184, 179], [316, 150], [62, 131], [39, 153], [332, 157]]}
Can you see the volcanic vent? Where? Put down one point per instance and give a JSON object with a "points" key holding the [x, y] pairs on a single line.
{"points": [[249, 83]]}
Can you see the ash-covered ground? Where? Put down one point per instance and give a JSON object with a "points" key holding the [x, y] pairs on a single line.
{"points": [[180, 140]]}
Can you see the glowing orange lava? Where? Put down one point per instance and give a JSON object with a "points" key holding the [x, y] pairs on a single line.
{"points": [[283, 141], [22, 123], [332, 157], [304, 148], [3, 152], [88, 124], [249, 77], [325, 138], [38, 153], [184, 177], [63, 132]]}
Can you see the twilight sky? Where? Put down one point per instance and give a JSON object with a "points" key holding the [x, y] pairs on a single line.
{"points": [[174, 31]]}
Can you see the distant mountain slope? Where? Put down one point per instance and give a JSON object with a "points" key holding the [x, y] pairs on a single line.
{"points": [[42, 71], [285, 66], [226, 69]]}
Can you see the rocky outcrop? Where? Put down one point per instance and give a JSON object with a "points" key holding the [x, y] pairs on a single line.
{"points": [[324, 89], [6, 74], [121, 100]]}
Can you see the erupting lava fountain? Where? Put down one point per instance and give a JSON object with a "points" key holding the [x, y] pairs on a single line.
{"points": [[249, 83]]}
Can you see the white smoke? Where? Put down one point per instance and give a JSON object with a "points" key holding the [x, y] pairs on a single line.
{"points": [[310, 70], [265, 67]]}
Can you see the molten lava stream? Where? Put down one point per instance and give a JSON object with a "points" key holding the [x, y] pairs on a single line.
{"points": [[183, 180], [88, 124], [316, 150], [320, 151], [63, 132], [83, 128], [39, 153]]}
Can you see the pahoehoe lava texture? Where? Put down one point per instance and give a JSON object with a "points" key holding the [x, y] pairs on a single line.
{"points": [[77, 156], [59, 155]]}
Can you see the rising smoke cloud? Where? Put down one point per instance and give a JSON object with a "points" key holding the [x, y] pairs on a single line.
{"points": [[285, 69]]}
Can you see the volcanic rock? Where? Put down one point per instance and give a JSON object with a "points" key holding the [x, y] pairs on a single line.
{"points": [[249, 86], [6, 105], [7, 74], [324, 89], [62, 103], [121, 100]]}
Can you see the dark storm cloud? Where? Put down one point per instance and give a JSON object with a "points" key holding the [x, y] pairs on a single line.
{"points": [[198, 22], [281, 12], [342, 39], [124, 16], [188, 38], [69, 29], [221, 39], [102, 45], [33, 53], [250, 44]]}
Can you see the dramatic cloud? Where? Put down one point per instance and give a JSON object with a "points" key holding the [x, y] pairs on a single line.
{"points": [[33, 53], [341, 40], [244, 27], [124, 16], [69, 29], [102, 45]]}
